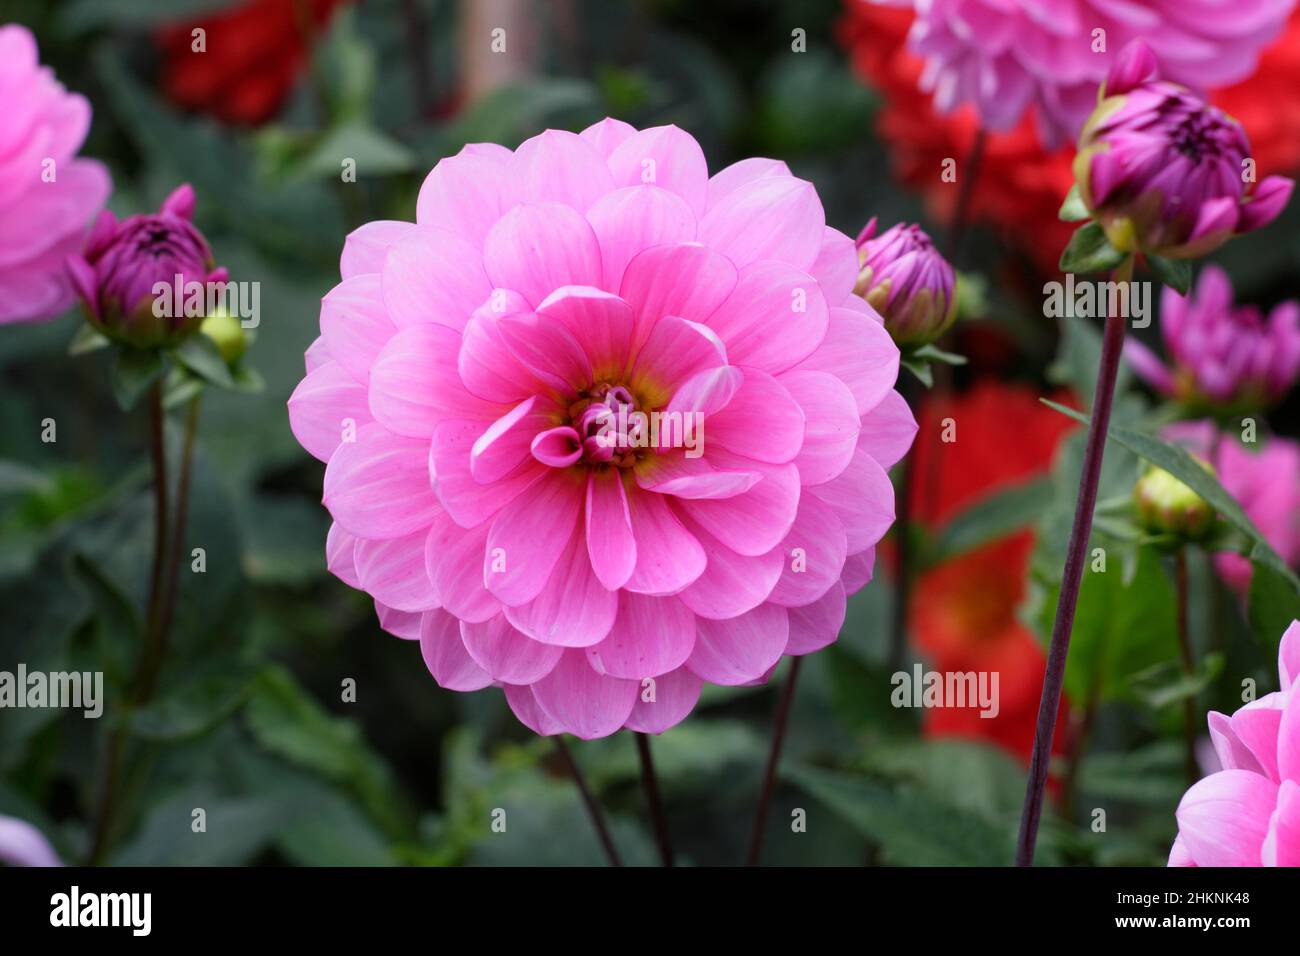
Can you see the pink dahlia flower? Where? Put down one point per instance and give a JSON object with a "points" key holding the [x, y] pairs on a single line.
{"points": [[1225, 358], [1004, 56], [1248, 814], [1265, 480], [47, 194], [600, 428], [1164, 172]]}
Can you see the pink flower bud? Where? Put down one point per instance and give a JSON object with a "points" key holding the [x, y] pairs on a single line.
{"points": [[906, 280]]}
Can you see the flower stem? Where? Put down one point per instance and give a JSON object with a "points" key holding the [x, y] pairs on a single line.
{"points": [[961, 214], [1189, 663], [773, 758], [1112, 345], [593, 807], [651, 784]]}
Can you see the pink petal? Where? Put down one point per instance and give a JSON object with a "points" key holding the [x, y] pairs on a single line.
{"points": [[775, 317], [507, 654], [610, 542], [606, 135], [858, 351], [366, 247], [529, 535], [741, 649], [674, 351], [888, 430], [485, 365], [1282, 844], [663, 156], [1288, 656], [538, 248], [862, 497], [415, 384], [1232, 753], [1288, 739], [463, 193], [767, 218], [633, 219], [525, 707], [393, 572], [830, 435], [506, 443], [762, 421], [556, 167], [573, 609], [582, 702], [453, 557], [858, 569], [707, 392], [668, 557], [1258, 730], [813, 555], [340, 556], [546, 347], [817, 625], [755, 522], [1148, 366], [1223, 818], [469, 502], [680, 476], [354, 324], [1266, 203], [445, 655], [433, 276], [601, 323], [325, 405], [727, 180], [731, 583], [688, 280], [403, 624], [664, 701], [836, 266], [650, 636], [378, 486]]}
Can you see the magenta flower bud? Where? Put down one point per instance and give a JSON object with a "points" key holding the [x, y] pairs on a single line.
{"points": [[906, 280], [1225, 358], [1164, 172], [117, 276]]}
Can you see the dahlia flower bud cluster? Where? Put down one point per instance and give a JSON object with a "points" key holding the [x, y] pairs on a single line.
{"points": [[1165, 173], [116, 274], [905, 278]]}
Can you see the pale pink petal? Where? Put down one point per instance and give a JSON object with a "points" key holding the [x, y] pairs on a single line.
{"points": [[888, 430], [1282, 844], [453, 557], [674, 351], [813, 555], [573, 609], [340, 556], [664, 701], [1258, 730], [366, 247], [1288, 656], [485, 365], [610, 542], [1148, 366], [506, 653], [741, 649], [524, 706], [1223, 818], [445, 655], [663, 156], [762, 421], [529, 535], [462, 194], [1288, 739], [327, 405], [836, 266], [415, 385], [378, 486], [317, 354], [687, 279], [679, 475], [816, 625], [775, 317], [862, 497], [403, 624], [858, 351], [668, 557], [650, 636], [707, 392], [607, 134], [582, 702], [537, 248], [858, 569], [740, 173], [600, 321], [1232, 753], [393, 572], [433, 276], [1178, 855], [506, 443], [556, 167], [354, 324], [469, 502], [755, 522], [731, 583], [546, 347], [635, 218], [830, 435], [768, 218]]}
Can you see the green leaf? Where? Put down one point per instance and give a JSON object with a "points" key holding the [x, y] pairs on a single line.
{"points": [[1164, 684], [931, 353], [1090, 251], [1175, 273], [1152, 775], [992, 517], [200, 355], [1273, 603], [88, 339], [374, 152], [911, 826], [133, 372], [1073, 209], [193, 707], [1175, 460], [920, 368], [19, 478]]}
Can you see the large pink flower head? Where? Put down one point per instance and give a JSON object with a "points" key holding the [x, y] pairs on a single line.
{"points": [[1264, 477], [1005, 56], [1248, 814], [600, 427], [1166, 173], [1225, 358], [47, 195]]}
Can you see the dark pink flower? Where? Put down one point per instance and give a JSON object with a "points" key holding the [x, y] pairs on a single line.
{"points": [[906, 280]]}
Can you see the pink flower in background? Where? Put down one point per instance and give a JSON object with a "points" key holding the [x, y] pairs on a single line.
{"points": [[1248, 814], [1164, 172], [116, 273], [21, 844], [1005, 56], [1224, 357], [1265, 480], [475, 391], [47, 195]]}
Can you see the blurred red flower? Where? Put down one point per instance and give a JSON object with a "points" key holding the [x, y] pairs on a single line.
{"points": [[1021, 185], [254, 54], [963, 611]]}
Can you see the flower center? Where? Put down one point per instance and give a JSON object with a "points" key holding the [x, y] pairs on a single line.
{"points": [[609, 426]]}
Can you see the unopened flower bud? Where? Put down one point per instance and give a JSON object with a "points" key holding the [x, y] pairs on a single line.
{"points": [[1167, 506], [906, 280]]}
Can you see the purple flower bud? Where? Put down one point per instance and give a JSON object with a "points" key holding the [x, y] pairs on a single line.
{"points": [[1164, 172], [122, 262], [1225, 358], [906, 280]]}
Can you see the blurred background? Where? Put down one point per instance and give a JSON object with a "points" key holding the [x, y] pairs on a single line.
{"points": [[250, 721]]}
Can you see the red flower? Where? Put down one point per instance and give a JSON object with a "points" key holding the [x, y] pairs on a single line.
{"points": [[963, 612], [254, 54], [1021, 185]]}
